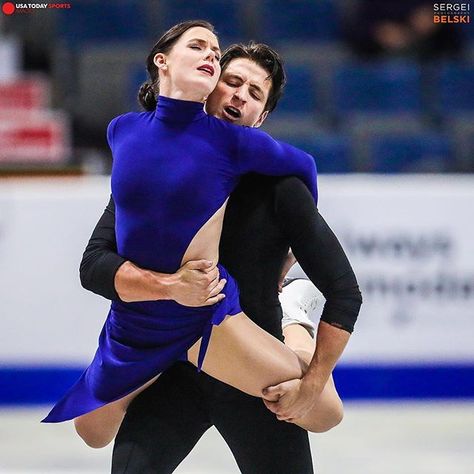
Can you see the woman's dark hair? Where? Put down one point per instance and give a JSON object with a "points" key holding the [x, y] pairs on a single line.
{"points": [[268, 59], [149, 90]]}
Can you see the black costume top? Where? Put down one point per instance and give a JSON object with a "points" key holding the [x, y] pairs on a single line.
{"points": [[264, 217]]}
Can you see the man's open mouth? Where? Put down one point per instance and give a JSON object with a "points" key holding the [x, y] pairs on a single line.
{"points": [[232, 112]]}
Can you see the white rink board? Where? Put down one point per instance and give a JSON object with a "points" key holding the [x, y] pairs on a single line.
{"points": [[409, 238], [410, 241], [46, 316]]}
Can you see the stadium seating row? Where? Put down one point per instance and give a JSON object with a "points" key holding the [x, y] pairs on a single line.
{"points": [[327, 90], [383, 153], [382, 87], [382, 126], [387, 87], [276, 20]]}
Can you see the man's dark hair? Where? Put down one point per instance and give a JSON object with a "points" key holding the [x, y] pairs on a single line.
{"points": [[268, 59]]}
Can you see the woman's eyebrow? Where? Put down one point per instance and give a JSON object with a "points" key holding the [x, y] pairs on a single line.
{"points": [[204, 42]]}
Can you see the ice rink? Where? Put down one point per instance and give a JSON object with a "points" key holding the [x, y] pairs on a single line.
{"points": [[374, 438]]}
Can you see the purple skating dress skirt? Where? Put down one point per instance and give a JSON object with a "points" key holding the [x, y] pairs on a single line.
{"points": [[138, 342]]}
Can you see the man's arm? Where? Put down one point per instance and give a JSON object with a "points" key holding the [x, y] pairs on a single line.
{"points": [[322, 258], [319, 253], [100, 260], [106, 273]]}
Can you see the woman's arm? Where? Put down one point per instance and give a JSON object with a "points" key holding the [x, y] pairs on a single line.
{"points": [[260, 153], [106, 273]]}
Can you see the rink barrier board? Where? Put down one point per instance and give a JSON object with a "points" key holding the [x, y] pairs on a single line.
{"points": [[43, 385]]}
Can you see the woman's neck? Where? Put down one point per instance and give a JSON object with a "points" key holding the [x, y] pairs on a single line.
{"points": [[179, 94]]}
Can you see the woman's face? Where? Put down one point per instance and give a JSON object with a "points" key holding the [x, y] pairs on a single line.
{"points": [[191, 69]]}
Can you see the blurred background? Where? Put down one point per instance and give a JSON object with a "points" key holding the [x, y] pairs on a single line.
{"points": [[378, 92]]}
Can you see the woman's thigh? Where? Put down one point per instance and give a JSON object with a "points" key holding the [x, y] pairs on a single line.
{"points": [[243, 355]]}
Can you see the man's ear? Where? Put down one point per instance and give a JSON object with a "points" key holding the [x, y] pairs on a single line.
{"points": [[261, 119]]}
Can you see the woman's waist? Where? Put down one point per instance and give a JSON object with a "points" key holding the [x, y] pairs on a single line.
{"points": [[165, 255], [157, 310]]}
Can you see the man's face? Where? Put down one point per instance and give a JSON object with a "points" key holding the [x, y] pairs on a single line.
{"points": [[241, 94]]}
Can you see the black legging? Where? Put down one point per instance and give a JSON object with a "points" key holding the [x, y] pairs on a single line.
{"points": [[165, 422]]}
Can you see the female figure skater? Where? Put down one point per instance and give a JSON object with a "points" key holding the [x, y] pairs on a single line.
{"points": [[173, 171]]}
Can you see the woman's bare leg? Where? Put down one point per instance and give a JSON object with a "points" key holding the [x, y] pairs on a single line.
{"points": [[328, 411], [99, 427], [240, 354], [243, 355]]}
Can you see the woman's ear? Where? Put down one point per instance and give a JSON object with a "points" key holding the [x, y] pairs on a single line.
{"points": [[160, 61]]}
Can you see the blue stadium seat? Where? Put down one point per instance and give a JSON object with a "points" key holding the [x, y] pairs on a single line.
{"points": [[98, 21], [468, 33], [300, 91], [386, 87], [332, 152], [397, 153], [455, 88], [311, 20], [225, 15]]}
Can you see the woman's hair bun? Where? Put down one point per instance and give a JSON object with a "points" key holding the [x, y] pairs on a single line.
{"points": [[146, 96]]}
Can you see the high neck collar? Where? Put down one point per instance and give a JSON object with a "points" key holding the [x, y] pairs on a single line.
{"points": [[175, 110]]}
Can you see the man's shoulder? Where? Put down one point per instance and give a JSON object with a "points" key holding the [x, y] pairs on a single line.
{"points": [[291, 195], [289, 185], [275, 193], [258, 183], [271, 184]]}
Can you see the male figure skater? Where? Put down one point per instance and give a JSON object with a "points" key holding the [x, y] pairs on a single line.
{"points": [[265, 216]]}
